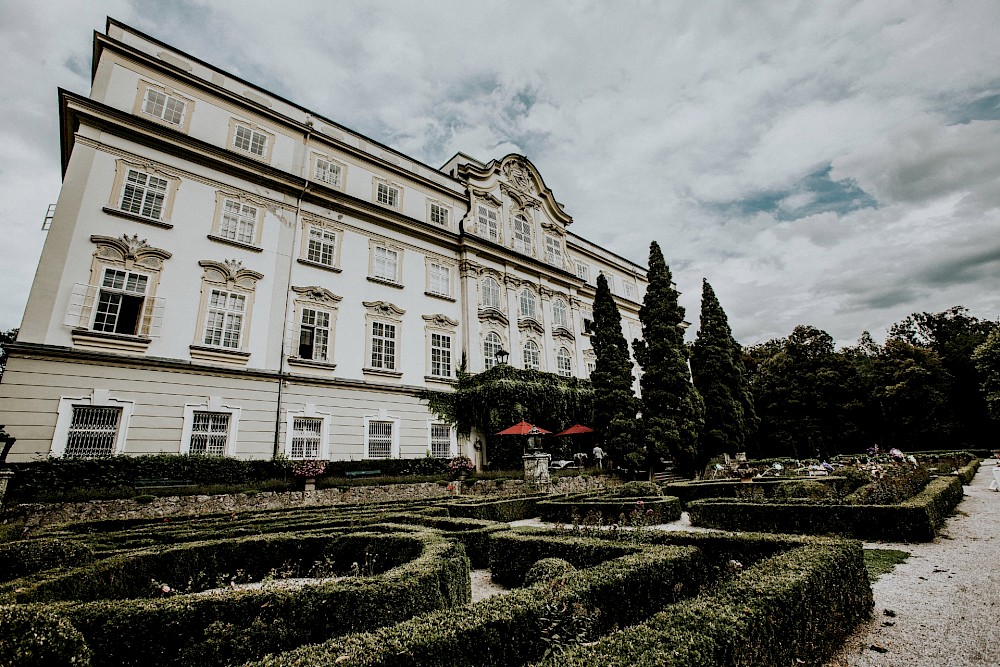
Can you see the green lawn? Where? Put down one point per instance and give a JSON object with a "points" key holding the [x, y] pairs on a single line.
{"points": [[881, 561]]}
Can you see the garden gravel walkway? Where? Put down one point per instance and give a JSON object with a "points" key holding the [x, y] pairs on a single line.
{"points": [[942, 606]]}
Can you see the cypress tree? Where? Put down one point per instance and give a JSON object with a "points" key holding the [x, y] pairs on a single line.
{"points": [[720, 377], [672, 410], [615, 405]]}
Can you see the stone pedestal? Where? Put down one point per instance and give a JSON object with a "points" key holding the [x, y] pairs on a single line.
{"points": [[5, 477], [536, 469]]}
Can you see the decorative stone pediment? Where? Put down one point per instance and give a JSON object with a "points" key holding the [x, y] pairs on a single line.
{"points": [[493, 315], [384, 309], [531, 324], [318, 294], [469, 268], [441, 320], [519, 180], [130, 250], [563, 332], [231, 272]]}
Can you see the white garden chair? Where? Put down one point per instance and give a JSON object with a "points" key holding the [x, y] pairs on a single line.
{"points": [[995, 484]]}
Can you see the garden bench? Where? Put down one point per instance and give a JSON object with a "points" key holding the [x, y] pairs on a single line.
{"points": [[163, 483], [363, 473]]}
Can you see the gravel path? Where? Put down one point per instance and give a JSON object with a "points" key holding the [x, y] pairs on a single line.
{"points": [[946, 596]]}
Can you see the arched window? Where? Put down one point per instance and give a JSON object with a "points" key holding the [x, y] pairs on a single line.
{"points": [[522, 234], [564, 364], [491, 345], [531, 359], [560, 317], [528, 304], [491, 293]]}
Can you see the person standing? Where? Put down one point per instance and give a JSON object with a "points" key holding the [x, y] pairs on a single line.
{"points": [[598, 456]]}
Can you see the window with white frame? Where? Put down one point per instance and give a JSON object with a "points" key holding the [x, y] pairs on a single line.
{"points": [[564, 362], [611, 281], [522, 234], [440, 355], [440, 440], [560, 314], [630, 289], [383, 345], [439, 279], [250, 140], [224, 319], [379, 439], [491, 293], [322, 246], [635, 330], [328, 171], [488, 219], [165, 107], [120, 302], [532, 359], [144, 194], [553, 250], [491, 345], [591, 366], [588, 320], [238, 222], [385, 263], [582, 271], [210, 433], [314, 334], [307, 438], [527, 304], [387, 195], [439, 214], [93, 431]]}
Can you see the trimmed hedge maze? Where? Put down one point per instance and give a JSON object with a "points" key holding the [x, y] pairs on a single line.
{"points": [[395, 590]]}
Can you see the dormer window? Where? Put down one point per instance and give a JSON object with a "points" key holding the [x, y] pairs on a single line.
{"points": [[488, 222]]}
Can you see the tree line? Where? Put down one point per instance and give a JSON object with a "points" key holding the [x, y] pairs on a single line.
{"points": [[933, 384]]}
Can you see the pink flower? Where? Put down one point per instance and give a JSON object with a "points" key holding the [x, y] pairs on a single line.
{"points": [[649, 512], [639, 503]]}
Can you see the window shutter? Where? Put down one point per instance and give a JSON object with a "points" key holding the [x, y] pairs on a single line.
{"points": [[81, 305], [152, 317]]}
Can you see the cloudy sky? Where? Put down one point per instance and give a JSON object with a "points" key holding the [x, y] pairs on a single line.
{"points": [[834, 164]]}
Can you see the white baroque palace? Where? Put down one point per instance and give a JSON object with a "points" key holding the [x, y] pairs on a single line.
{"points": [[229, 273]]}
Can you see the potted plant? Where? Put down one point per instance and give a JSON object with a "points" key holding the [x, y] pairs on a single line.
{"points": [[308, 470], [460, 466]]}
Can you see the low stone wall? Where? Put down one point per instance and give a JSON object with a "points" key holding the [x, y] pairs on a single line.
{"points": [[38, 514]]}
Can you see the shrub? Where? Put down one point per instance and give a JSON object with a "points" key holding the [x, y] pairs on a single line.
{"points": [[636, 490], [804, 489], [629, 511], [505, 510], [25, 557], [33, 637], [546, 569]]}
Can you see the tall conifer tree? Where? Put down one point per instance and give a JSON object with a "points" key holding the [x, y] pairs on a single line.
{"points": [[720, 378], [672, 410], [615, 405]]}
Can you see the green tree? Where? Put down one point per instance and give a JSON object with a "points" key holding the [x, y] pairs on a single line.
{"points": [[720, 377], [987, 360], [615, 405], [911, 386], [673, 412], [6, 338]]}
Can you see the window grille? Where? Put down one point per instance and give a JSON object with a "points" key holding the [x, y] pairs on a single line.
{"points": [[383, 345], [210, 433], [322, 246], [440, 441], [238, 221], [163, 106], [307, 435], [92, 432], [250, 141], [491, 293], [491, 345], [379, 439], [440, 355], [143, 194], [328, 172]]}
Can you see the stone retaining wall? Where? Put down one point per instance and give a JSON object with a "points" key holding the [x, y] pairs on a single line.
{"points": [[38, 514]]}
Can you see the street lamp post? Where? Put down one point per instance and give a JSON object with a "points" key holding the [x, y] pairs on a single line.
{"points": [[501, 356]]}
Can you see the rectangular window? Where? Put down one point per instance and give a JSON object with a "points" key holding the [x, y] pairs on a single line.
{"points": [[630, 291], [440, 441], [249, 140], [238, 222], [522, 234], [165, 107], [210, 433], [582, 271], [440, 355], [328, 172], [439, 215], [314, 334], [387, 195], [384, 346], [379, 439], [120, 302], [307, 435], [385, 264], [143, 195], [92, 432], [322, 246], [488, 222], [224, 320], [438, 279], [553, 251]]}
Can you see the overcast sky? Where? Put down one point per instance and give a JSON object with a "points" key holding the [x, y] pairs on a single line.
{"points": [[827, 163]]}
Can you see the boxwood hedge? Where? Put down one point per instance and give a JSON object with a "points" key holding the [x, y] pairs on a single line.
{"points": [[24, 557], [645, 510], [506, 509]]}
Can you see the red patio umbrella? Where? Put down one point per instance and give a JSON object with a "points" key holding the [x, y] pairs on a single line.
{"points": [[523, 428], [576, 429]]}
